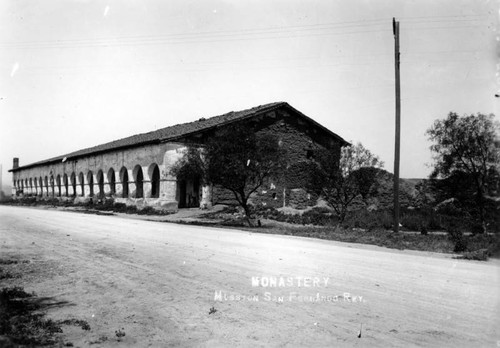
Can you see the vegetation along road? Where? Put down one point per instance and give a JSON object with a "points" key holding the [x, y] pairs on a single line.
{"points": [[140, 283]]}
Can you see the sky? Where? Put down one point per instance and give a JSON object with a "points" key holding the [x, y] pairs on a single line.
{"points": [[78, 73]]}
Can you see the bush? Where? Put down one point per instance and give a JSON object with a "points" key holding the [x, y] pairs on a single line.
{"points": [[458, 239], [106, 204], [476, 228], [478, 255], [147, 210], [414, 222], [423, 231], [420, 220], [120, 207], [316, 216], [484, 241], [369, 219], [319, 216], [130, 209]]}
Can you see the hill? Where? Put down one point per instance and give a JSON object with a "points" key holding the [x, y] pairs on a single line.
{"points": [[381, 195]]}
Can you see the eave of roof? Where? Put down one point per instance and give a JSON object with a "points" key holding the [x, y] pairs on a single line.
{"points": [[177, 132]]}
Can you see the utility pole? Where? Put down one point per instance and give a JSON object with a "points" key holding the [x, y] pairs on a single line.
{"points": [[395, 29]]}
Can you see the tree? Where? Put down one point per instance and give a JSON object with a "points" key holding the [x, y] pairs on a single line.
{"points": [[236, 159], [340, 180], [466, 156], [191, 165]]}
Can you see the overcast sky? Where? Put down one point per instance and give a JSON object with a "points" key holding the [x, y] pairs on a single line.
{"points": [[75, 74]]}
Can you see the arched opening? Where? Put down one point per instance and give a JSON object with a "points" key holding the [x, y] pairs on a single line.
{"points": [[65, 183], [112, 181], [90, 181], [40, 183], [139, 182], [30, 182], [73, 183], [46, 185], [58, 183], [154, 174], [36, 185], [82, 183], [124, 180], [52, 185], [100, 183]]}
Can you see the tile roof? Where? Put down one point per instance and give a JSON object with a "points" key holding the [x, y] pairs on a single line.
{"points": [[177, 131]]}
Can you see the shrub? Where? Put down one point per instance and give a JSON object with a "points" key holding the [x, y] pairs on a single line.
{"points": [[434, 222], [476, 228], [368, 219], [119, 207], [420, 219], [147, 210], [478, 255], [414, 221], [319, 216], [231, 209], [484, 241], [458, 239], [106, 204], [131, 209], [423, 231], [26, 201], [53, 201]]}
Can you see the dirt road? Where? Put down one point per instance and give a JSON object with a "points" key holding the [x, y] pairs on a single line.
{"points": [[157, 283]]}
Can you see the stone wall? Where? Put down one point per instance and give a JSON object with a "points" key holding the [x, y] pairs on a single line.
{"points": [[288, 188]]}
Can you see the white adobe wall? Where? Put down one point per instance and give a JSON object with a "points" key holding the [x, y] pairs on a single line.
{"points": [[162, 155]]}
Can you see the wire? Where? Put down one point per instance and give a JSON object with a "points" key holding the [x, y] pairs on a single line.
{"points": [[324, 29], [197, 35]]}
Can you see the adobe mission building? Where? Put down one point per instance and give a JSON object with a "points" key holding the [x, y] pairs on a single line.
{"points": [[137, 170]]}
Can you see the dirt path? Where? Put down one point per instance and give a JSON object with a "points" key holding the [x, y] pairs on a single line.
{"points": [[157, 283]]}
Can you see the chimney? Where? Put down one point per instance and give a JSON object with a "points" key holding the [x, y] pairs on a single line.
{"points": [[15, 165]]}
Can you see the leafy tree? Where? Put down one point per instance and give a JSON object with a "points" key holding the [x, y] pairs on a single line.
{"points": [[340, 180], [191, 165], [240, 160], [236, 159], [365, 178], [466, 156]]}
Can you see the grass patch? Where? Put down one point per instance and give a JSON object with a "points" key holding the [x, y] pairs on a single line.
{"points": [[379, 237], [12, 262], [433, 242], [7, 275], [21, 320], [369, 227], [76, 322]]}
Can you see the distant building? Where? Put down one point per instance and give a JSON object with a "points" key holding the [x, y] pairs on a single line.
{"points": [[136, 169]]}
